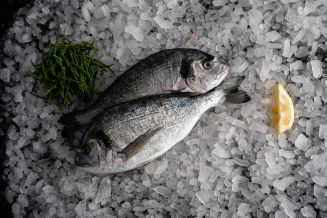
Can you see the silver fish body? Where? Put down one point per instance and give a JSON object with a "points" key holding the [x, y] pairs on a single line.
{"points": [[144, 129], [167, 71]]}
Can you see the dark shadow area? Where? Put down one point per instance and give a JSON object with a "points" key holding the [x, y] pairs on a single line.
{"points": [[8, 9]]}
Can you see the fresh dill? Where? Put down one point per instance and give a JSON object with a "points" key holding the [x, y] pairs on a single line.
{"points": [[68, 69]]}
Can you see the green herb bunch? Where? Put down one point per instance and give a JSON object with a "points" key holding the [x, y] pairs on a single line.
{"points": [[68, 68]]}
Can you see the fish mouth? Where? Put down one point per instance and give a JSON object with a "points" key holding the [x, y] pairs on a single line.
{"points": [[82, 161], [221, 76]]}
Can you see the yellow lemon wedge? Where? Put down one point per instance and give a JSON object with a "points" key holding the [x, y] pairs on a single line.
{"points": [[282, 115]]}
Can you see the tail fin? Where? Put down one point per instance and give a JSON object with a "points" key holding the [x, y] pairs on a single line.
{"points": [[233, 94], [236, 96], [70, 117], [69, 130]]}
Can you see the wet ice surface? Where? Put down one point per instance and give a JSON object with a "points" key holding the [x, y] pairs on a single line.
{"points": [[231, 165]]}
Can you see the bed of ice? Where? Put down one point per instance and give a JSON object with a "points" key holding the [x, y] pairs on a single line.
{"points": [[231, 165]]}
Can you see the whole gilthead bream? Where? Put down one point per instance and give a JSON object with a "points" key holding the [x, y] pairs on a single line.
{"points": [[166, 71], [131, 134]]}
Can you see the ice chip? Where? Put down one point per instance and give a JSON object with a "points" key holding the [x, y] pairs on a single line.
{"points": [[163, 23], [163, 191], [323, 131], [106, 11], [283, 183], [302, 142], [131, 3], [86, 8], [27, 37], [104, 191], [204, 196], [162, 166], [308, 211], [243, 209], [287, 48], [288, 205], [272, 36], [5, 74], [15, 209], [265, 69], [205, 173], [320, 180], [220, 152], [296, 65], [316, 67], [135, 31], [269, 203]]}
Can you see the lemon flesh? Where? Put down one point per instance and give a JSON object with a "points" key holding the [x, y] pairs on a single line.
{"points": [[282, 109]]}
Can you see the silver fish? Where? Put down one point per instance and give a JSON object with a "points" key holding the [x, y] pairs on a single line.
{"points": [[166, 71], [132, 134]]}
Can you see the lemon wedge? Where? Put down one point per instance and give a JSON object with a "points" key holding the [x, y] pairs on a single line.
{"points": [[282, 109]]}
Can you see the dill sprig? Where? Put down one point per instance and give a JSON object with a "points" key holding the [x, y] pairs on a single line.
{"points": [[68, 68]]}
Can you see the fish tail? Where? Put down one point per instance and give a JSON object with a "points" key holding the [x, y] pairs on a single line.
{"points": [[233, 94], [69, 129], [71, 117], [82, 117]]}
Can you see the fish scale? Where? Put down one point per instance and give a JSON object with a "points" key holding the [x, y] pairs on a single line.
{"points": [[146, 128], [166, 71]]}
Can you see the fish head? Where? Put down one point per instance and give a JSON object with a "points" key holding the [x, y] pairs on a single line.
{"points": [[89, 155], [206, 72], [95, 158]]}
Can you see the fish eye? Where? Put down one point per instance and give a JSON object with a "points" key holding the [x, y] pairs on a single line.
{"points": [[207, 64], [86, 150]]}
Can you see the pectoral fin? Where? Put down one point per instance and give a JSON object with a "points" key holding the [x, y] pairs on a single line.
{"points": [[134, 147]]}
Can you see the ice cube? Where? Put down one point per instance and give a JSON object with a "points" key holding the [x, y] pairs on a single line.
{"points": [[296, 65], [204, 196], [302, 142], [163, 191], [27, 37], [22, 200], [220, 152], [104, 191], [106, 11], [320, 180], [163, 23], [286, 154], [162, 166], [323, 131], [319, 192], [259, 127], [272, 36], [15, 209], [287, 48], [316, 67], [283, 183], [265, 69], [230, 133], [86, 8], [270, 159], [18, 95], [80, 208], [288, 205], [269, 203], [308, 211], [243, 209], [5, 74], [135, 31], [255, 17], [205, 173], [67, 186], [46, 10], [242, 67], [244, 145]]}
